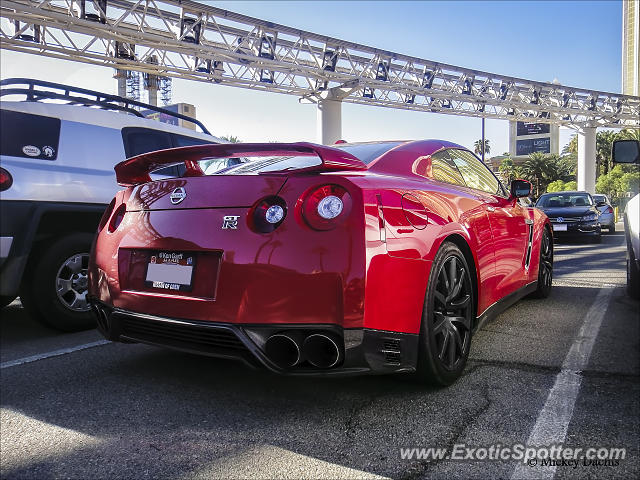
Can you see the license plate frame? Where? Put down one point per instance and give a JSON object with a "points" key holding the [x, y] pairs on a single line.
{"points": [[559, 227], [170, 271]]}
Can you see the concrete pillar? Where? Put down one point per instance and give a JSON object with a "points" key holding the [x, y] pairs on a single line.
{"points": [[152, 90], [121, 77], [329, 121], [587, 159]]}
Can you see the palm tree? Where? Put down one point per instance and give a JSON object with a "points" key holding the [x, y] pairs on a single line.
{"points": [[629, 134], [540, 170], [507, 170], [231, 138], [477, 147]]}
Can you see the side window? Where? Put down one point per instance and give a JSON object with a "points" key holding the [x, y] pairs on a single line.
{"points": [[476, 175], [142, 140], [29, 136], [444, 170]]}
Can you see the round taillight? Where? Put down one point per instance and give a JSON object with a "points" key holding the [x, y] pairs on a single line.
{"points": [[117, 217], [324, 207], [107, 213], [268, 214], [6, 180]]}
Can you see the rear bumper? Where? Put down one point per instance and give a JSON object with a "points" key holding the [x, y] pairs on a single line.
{"points": [[365, 350]]}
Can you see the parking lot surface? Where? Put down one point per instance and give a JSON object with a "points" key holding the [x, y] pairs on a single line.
{"points": [[74, 408]]}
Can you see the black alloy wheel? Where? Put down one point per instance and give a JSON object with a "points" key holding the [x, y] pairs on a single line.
{"points": [[445, 336]]}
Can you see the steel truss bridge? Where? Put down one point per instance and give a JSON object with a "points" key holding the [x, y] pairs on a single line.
{"points": [[193, 41]]}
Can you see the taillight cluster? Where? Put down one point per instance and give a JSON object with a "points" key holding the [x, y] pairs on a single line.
{"points": [[107, 214], [324, 207], [117, 217], [268, 214], [609, 210], [321, 208], [6, 180], [113, 219]]}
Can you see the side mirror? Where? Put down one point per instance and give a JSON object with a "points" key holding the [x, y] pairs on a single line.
{"points": [[625, 151], [520, 188]]}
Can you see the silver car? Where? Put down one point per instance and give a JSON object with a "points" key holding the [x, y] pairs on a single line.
{"points": [[607, 216]]}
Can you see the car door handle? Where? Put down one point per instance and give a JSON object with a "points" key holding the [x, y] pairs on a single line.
{"points": [[491, 209]]}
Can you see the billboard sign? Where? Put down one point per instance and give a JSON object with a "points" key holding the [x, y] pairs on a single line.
{"points": [[528, 146], [530, 128]]}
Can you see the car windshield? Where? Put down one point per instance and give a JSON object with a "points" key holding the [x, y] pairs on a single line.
{"points": [[600, 198], [565, 199]]}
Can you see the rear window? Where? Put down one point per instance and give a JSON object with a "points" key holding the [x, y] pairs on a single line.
{"points": [[29, 136], [368, 152], [257, 165]]}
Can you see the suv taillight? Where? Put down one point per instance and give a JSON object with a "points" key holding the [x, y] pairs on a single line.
{"points": [[6, 180], [609, 210], [326, 206]]}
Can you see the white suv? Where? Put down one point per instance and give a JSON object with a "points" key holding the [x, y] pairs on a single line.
{"points": [[56, 179]]}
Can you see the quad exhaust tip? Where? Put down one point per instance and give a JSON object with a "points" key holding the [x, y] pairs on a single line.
{"points": [[287, 350], [282, 350], [321, 351]]}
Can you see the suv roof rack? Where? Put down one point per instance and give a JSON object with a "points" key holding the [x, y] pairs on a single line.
{"points": [[36, 90]]}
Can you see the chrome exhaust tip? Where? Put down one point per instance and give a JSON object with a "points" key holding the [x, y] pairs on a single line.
{"points": [[321, 351], [282, 350]]}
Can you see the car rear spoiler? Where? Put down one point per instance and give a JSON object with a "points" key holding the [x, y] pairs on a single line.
{"points": [[136, 170]]}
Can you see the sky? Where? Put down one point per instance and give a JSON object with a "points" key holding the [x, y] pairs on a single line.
{"points": [[577, 43]]}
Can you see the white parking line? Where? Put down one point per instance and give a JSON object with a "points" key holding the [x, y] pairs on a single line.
{"points": [[55, 353], [553, 420]]}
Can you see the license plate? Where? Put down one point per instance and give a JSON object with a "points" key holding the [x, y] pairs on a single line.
{"points": [[170, 271], [560, 227]]}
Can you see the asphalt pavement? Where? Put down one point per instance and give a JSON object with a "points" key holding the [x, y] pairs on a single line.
{"points": [[136, 411]]}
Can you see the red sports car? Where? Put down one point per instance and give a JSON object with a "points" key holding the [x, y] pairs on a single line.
{"points": [[367, 257]]}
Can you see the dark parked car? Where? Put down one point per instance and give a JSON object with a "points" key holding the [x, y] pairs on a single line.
{"points": [[571, 214]]}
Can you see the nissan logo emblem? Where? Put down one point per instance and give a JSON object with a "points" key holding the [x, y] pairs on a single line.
{"points": [[178, 195]]}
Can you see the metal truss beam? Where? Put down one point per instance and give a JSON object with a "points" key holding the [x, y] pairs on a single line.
{"points": [[194, 41]]}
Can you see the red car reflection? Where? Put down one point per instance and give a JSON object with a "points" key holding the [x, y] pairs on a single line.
{"points": [[368, 257]]}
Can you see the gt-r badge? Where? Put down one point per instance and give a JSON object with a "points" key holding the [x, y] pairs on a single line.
{"points": [[230, 222], [178, 195]]}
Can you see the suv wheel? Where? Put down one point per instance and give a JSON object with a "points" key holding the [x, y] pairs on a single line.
{"points": [[55, 293]]}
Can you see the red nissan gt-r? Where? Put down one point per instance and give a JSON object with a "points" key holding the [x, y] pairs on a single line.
{"points": [[373, 257]]}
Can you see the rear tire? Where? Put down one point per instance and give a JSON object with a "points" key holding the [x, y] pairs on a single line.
{"points": [[612, 229], [545, 266], [55, 292], [445, 333]]}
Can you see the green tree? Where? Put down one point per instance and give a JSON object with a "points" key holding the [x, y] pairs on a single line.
{"points": [[573, 185], [507, 170], [629, 134], [231, 138], [556, 186], [620, 181], [477, 147], [604, 141]]}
